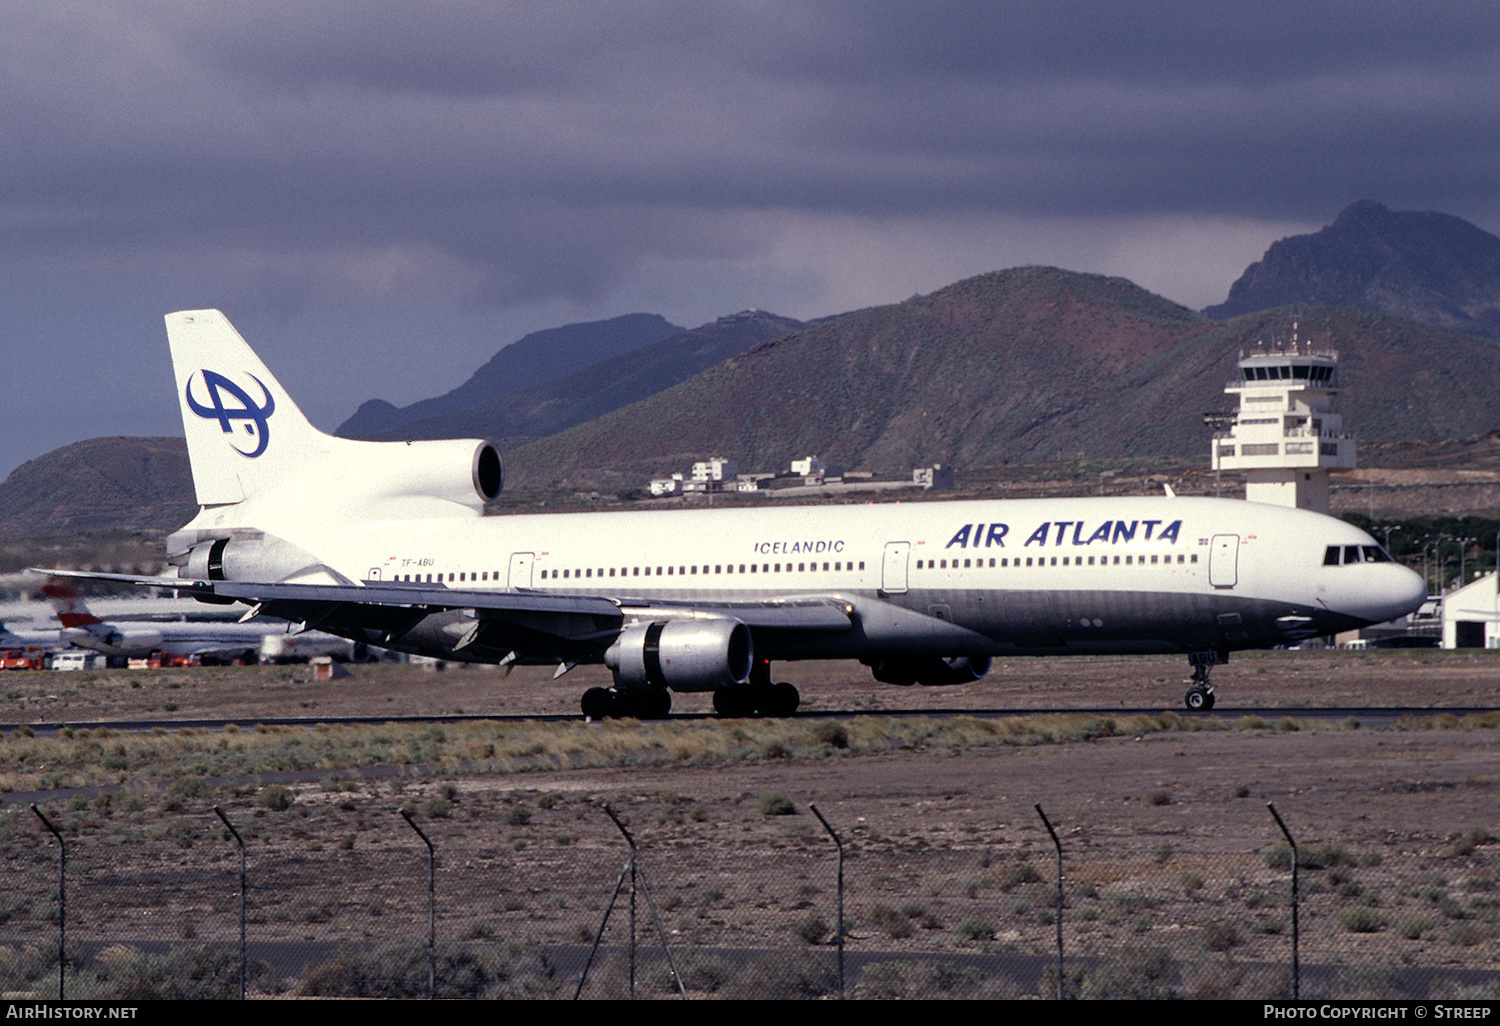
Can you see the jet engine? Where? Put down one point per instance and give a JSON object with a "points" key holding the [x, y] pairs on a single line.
{"points": [[931, 671], [464, 471], [684, 655], [250, 557]]}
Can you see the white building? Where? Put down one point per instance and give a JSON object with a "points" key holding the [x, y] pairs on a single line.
{"points": [[809, 467], [1285, 437], [667, 485], [936, 476], [716, 469], [1471, 615]]}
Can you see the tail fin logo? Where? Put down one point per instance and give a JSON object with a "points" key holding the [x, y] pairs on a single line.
{"points": [[256, 418]]}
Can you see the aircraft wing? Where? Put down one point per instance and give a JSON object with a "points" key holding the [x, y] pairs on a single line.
{"points": [[519, 622]]}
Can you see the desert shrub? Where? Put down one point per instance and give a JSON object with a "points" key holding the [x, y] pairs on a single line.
{"points": [[775, 804], [1309, 856], [975, 928], [1413, 929], [1017, 874], [276, 797], [896, 925], [1361, 919], [813, 930], [194, 974], [402, 972], [1137, 973], [783, 977], [1220, 935], [826, 732], [908, 981]]}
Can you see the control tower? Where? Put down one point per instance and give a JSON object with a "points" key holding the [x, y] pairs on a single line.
{"points": [[1285, 437]]}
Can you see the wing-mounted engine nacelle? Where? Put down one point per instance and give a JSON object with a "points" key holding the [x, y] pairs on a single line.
{"points": [[252, 558], [684, 655], [930, 671]]}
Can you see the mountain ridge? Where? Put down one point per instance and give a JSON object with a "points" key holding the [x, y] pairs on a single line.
{"points": [[1425, 266]]}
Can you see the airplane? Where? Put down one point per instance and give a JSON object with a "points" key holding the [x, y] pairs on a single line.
{"points": [[385, 543], [25, 651], [226, 642]]}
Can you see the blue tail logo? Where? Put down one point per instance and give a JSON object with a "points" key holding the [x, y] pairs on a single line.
{"points": [[255, 417]]}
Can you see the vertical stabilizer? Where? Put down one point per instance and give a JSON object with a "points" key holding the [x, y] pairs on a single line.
{"points": [[244, 432]]}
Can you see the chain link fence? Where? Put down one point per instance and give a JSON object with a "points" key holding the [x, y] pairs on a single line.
{"points": [[540, 895]]}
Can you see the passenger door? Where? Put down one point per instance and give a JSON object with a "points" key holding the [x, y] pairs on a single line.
{"points": [[1224, 561], [520, 569], [893, 568]]}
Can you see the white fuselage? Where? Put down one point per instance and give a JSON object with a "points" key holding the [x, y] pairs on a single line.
{"points": [[981, 577]]}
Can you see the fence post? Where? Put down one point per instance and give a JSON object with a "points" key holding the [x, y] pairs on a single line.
{"points": [[431, 906], [637, 877], [62, 899], [839, 932], [1056, 843], [1296, 957], [240, 841]]}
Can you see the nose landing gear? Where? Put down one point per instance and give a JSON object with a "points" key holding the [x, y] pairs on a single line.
{"points": [[1200, 698]]}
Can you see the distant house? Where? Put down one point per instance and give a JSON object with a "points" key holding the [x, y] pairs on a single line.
{"points": [[716, 469], [667, 485], [1471, 615], [936, 476]]}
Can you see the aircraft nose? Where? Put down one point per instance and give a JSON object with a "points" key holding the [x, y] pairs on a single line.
{"points": [[1404, 592]]}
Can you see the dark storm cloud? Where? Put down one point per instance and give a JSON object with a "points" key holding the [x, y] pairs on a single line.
{"points": [[427, 160], [549, 148]]}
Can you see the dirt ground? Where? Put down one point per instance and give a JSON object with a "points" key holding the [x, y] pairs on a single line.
{"points": [[1166, 833]]}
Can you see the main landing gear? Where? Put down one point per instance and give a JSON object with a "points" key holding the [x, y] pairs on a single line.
{"points": [[641, 703], [1200, 698], [757, 697]]}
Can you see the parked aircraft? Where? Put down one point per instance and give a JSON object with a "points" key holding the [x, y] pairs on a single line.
{"points": [[224, 642], [384, 542]]}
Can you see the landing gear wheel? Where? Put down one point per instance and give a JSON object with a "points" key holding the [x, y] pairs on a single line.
{"points": [[598, 703], [736, 702], [1199, 699], [653, 705], [778, 700]]}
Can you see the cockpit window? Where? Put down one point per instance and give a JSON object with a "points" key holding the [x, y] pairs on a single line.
{"points": [[1335, 555]]}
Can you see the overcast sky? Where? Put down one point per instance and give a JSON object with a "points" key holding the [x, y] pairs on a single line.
{"points": [[380, 195]]}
